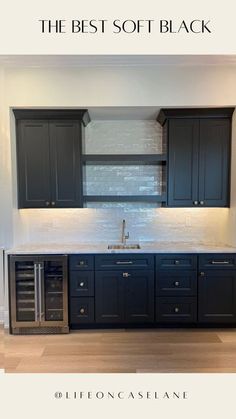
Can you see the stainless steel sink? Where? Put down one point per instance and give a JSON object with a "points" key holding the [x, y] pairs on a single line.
{"points": [[123, 246]]}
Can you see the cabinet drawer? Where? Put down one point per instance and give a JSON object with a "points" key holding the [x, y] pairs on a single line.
{"points": [[124, 261], [81, 310], [81, 262], [82, 284], [176, 310], [176, 261], [217, 261], [176, 283]]}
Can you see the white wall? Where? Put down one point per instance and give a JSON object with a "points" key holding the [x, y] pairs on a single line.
{"points": [[115, 86]]}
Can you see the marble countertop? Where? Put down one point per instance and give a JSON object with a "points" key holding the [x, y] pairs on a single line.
{"points": [[102, 247]]}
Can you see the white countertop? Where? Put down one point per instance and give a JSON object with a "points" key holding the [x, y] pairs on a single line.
{"points": [[146, 247]]}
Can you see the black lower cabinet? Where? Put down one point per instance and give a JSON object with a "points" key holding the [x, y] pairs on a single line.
{"points": [[124, 297], [217, 296], [139, 297], [176, 310], [109, 296], [81, 310]]}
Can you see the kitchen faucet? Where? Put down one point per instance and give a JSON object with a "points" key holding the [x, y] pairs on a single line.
{"points": [[124, 236]]}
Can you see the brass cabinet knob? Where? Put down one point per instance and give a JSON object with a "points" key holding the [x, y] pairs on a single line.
{"points": [[176, 309], [81, 284], [47, 203], [195, 202], [201, 202], [176, 283], [53, 203], [82, 311]]}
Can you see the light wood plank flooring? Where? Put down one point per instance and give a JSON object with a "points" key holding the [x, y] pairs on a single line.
{"points": [[119, 351]]}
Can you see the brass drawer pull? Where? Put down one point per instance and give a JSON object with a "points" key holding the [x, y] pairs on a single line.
{"points": [[82, 311], [176, 283], [81, 284], [176, 309]]}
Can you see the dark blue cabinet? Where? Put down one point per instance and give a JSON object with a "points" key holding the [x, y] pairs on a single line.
{"points": [[124, 296], [49, 158], [217, 296], [199, 150]]}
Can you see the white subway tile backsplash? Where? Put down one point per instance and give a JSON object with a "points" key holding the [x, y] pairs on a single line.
{"points": [[102, 221]]}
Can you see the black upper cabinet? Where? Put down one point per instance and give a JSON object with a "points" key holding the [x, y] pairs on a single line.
{"points": [[199, 145], [49, 158], [183, 163]]}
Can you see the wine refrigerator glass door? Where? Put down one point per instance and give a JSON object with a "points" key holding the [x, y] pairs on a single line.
{"points": [[53, 305], [24, 292]]}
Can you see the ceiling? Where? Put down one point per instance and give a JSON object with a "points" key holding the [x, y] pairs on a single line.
{"points": [[38, 61]]}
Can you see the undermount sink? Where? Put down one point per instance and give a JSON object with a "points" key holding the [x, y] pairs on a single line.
{"points": [[123, 246]]}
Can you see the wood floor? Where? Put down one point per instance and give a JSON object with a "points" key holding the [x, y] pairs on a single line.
{"points": [[119, 351]]}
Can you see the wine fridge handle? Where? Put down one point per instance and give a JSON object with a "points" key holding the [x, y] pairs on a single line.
{"points": [[41, 292], [36, 308]]}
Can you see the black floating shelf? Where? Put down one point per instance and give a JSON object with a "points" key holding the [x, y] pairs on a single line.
{"points": [[124, 159], [125, 198]]}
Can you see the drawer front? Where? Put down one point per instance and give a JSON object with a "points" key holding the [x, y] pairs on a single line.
{"points": [[176, 310], [81, 262], [176, 261], [124, 261], [82, 284], [217, 261], [81, 310], [176, 283]]}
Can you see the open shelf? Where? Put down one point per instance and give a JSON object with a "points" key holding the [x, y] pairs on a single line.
{"points": [[125, 198], [124, 159]]}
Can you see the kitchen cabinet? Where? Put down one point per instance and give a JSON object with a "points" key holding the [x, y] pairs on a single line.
{"points": [[199, 148], [38, 294], [49, 157], [81, 286], [176, 288], [121, 289], [125, 296], [217, 289]]}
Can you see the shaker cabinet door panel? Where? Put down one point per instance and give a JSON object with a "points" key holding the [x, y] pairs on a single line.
{"points": [[217, 297], [33, 164], [66, 176], [214, 162], [139, 296], [183, 162], [109, 297]]}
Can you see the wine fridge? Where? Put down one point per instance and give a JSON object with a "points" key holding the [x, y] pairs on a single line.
{"points": [[38, 294]]}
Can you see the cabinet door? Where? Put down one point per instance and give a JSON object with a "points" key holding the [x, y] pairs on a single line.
{"points": [[183, 162], [109, 297], [66, 175], [217, 297], [214, 162], [139, 296], [33, 164]]}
